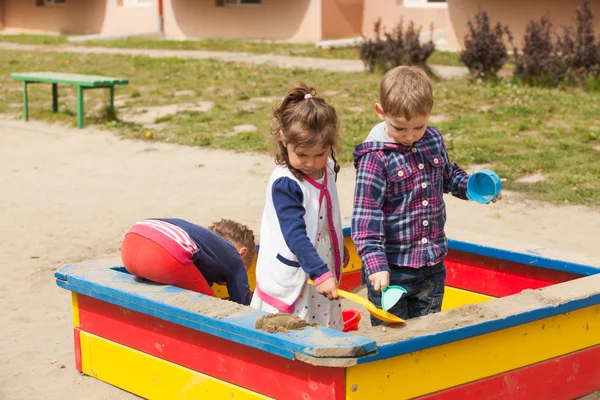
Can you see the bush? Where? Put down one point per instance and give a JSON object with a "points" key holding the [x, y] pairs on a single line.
{"points": [[549, 59], [416, 52], [540, 62], [485, 52], [371, 50], [579, 46], [387, 50]]}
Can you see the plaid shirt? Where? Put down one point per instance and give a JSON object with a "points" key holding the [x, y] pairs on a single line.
{"points": [[399, 212]]}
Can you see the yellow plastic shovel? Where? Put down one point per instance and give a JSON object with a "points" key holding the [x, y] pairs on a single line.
{"points": [[376, 312]]}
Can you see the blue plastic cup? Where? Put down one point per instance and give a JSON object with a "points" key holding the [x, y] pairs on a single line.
{"points": [[484, 186]]}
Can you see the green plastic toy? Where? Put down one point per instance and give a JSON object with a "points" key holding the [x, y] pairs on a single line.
{"points": [[390, 296]]}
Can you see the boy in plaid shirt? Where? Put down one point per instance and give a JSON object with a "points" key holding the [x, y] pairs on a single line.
{"points": [[399, 213]]}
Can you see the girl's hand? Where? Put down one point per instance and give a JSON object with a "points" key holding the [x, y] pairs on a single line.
{"points": [[346, 256], [499, 197], [328, 288], [380, 280]]}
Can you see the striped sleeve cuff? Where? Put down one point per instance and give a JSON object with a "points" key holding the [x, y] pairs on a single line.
{"points": [[323, 278]]}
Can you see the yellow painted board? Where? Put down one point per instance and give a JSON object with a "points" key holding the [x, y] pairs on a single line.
{"points": [[454, 298], [354, 264], [438, 368], [151, 377], [75, 309]]}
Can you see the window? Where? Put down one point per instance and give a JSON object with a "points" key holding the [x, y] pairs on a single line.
{"points": [[238, 3], [424, 3], [50, 3], [135, 3]]}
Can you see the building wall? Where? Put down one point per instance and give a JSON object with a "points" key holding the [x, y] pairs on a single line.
{"points": [[391, 11], [81, 17], [342, 18], [295, 20], [125, 20], [517, 13], [2, 8]]}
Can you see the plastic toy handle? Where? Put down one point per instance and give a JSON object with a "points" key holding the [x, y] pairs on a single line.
{"points": [[376, 312]]}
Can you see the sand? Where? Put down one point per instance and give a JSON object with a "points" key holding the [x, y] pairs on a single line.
{"points": [[69, 195], [275, 323], [473, 314]]}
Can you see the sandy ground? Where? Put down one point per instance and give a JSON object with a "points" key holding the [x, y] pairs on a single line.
{"points": [[69, 195]]}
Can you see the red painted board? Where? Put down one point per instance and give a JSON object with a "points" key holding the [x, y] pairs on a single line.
{"points": [[351, 280], [240, 365], [562, 378], [496, 277], [77, 340]]}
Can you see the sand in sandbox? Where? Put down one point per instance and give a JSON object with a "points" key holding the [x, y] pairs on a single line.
{"points": [[280, 322]]}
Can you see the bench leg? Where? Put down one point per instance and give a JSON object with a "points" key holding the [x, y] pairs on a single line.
{"points": [[80, 111], [112, 97], [55, 97], [25, 108]]}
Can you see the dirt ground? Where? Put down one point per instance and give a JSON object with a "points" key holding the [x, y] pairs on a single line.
{"points": [[69, 195]]}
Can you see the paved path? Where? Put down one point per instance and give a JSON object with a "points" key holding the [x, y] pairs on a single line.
{"points": [[326, 64]]}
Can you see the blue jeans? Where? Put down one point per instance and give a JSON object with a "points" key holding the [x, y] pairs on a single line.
{"points": [[425, 291]]}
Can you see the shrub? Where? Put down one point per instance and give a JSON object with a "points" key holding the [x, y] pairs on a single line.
{"points": [[485, 52], [579, 46], [371, 49], [418, 53], [549, 59], [540, 62], [387, 50]]}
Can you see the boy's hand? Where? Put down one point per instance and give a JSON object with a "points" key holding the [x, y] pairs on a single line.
{"points": [[380, 280], [346, 256], [499, 197], [328, 288]]}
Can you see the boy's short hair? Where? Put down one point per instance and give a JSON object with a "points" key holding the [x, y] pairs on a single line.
{"points": [[236, 232], [406, 92]]}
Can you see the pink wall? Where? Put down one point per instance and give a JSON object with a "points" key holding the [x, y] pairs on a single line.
{"points": [[273, 19], [517, 13], [390, 12], [130, 20], [342, 18], [295, 20], [2, 8], [74, 17], [81, 16]]}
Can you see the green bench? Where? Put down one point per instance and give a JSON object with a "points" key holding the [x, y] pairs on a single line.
{"points": [[82, 82]]}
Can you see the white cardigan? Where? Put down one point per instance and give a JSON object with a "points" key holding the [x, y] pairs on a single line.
{"points": [[279, 279]]}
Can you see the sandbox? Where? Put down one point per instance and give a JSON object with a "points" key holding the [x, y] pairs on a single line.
{"points": [[515, 325]]}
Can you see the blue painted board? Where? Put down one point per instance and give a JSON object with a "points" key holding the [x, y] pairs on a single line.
{"points": [[177, 305], [523, 258]]}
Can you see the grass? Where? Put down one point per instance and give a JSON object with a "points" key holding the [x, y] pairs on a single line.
{"points": [[256, 47], [34, 39], [517, 130]]}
